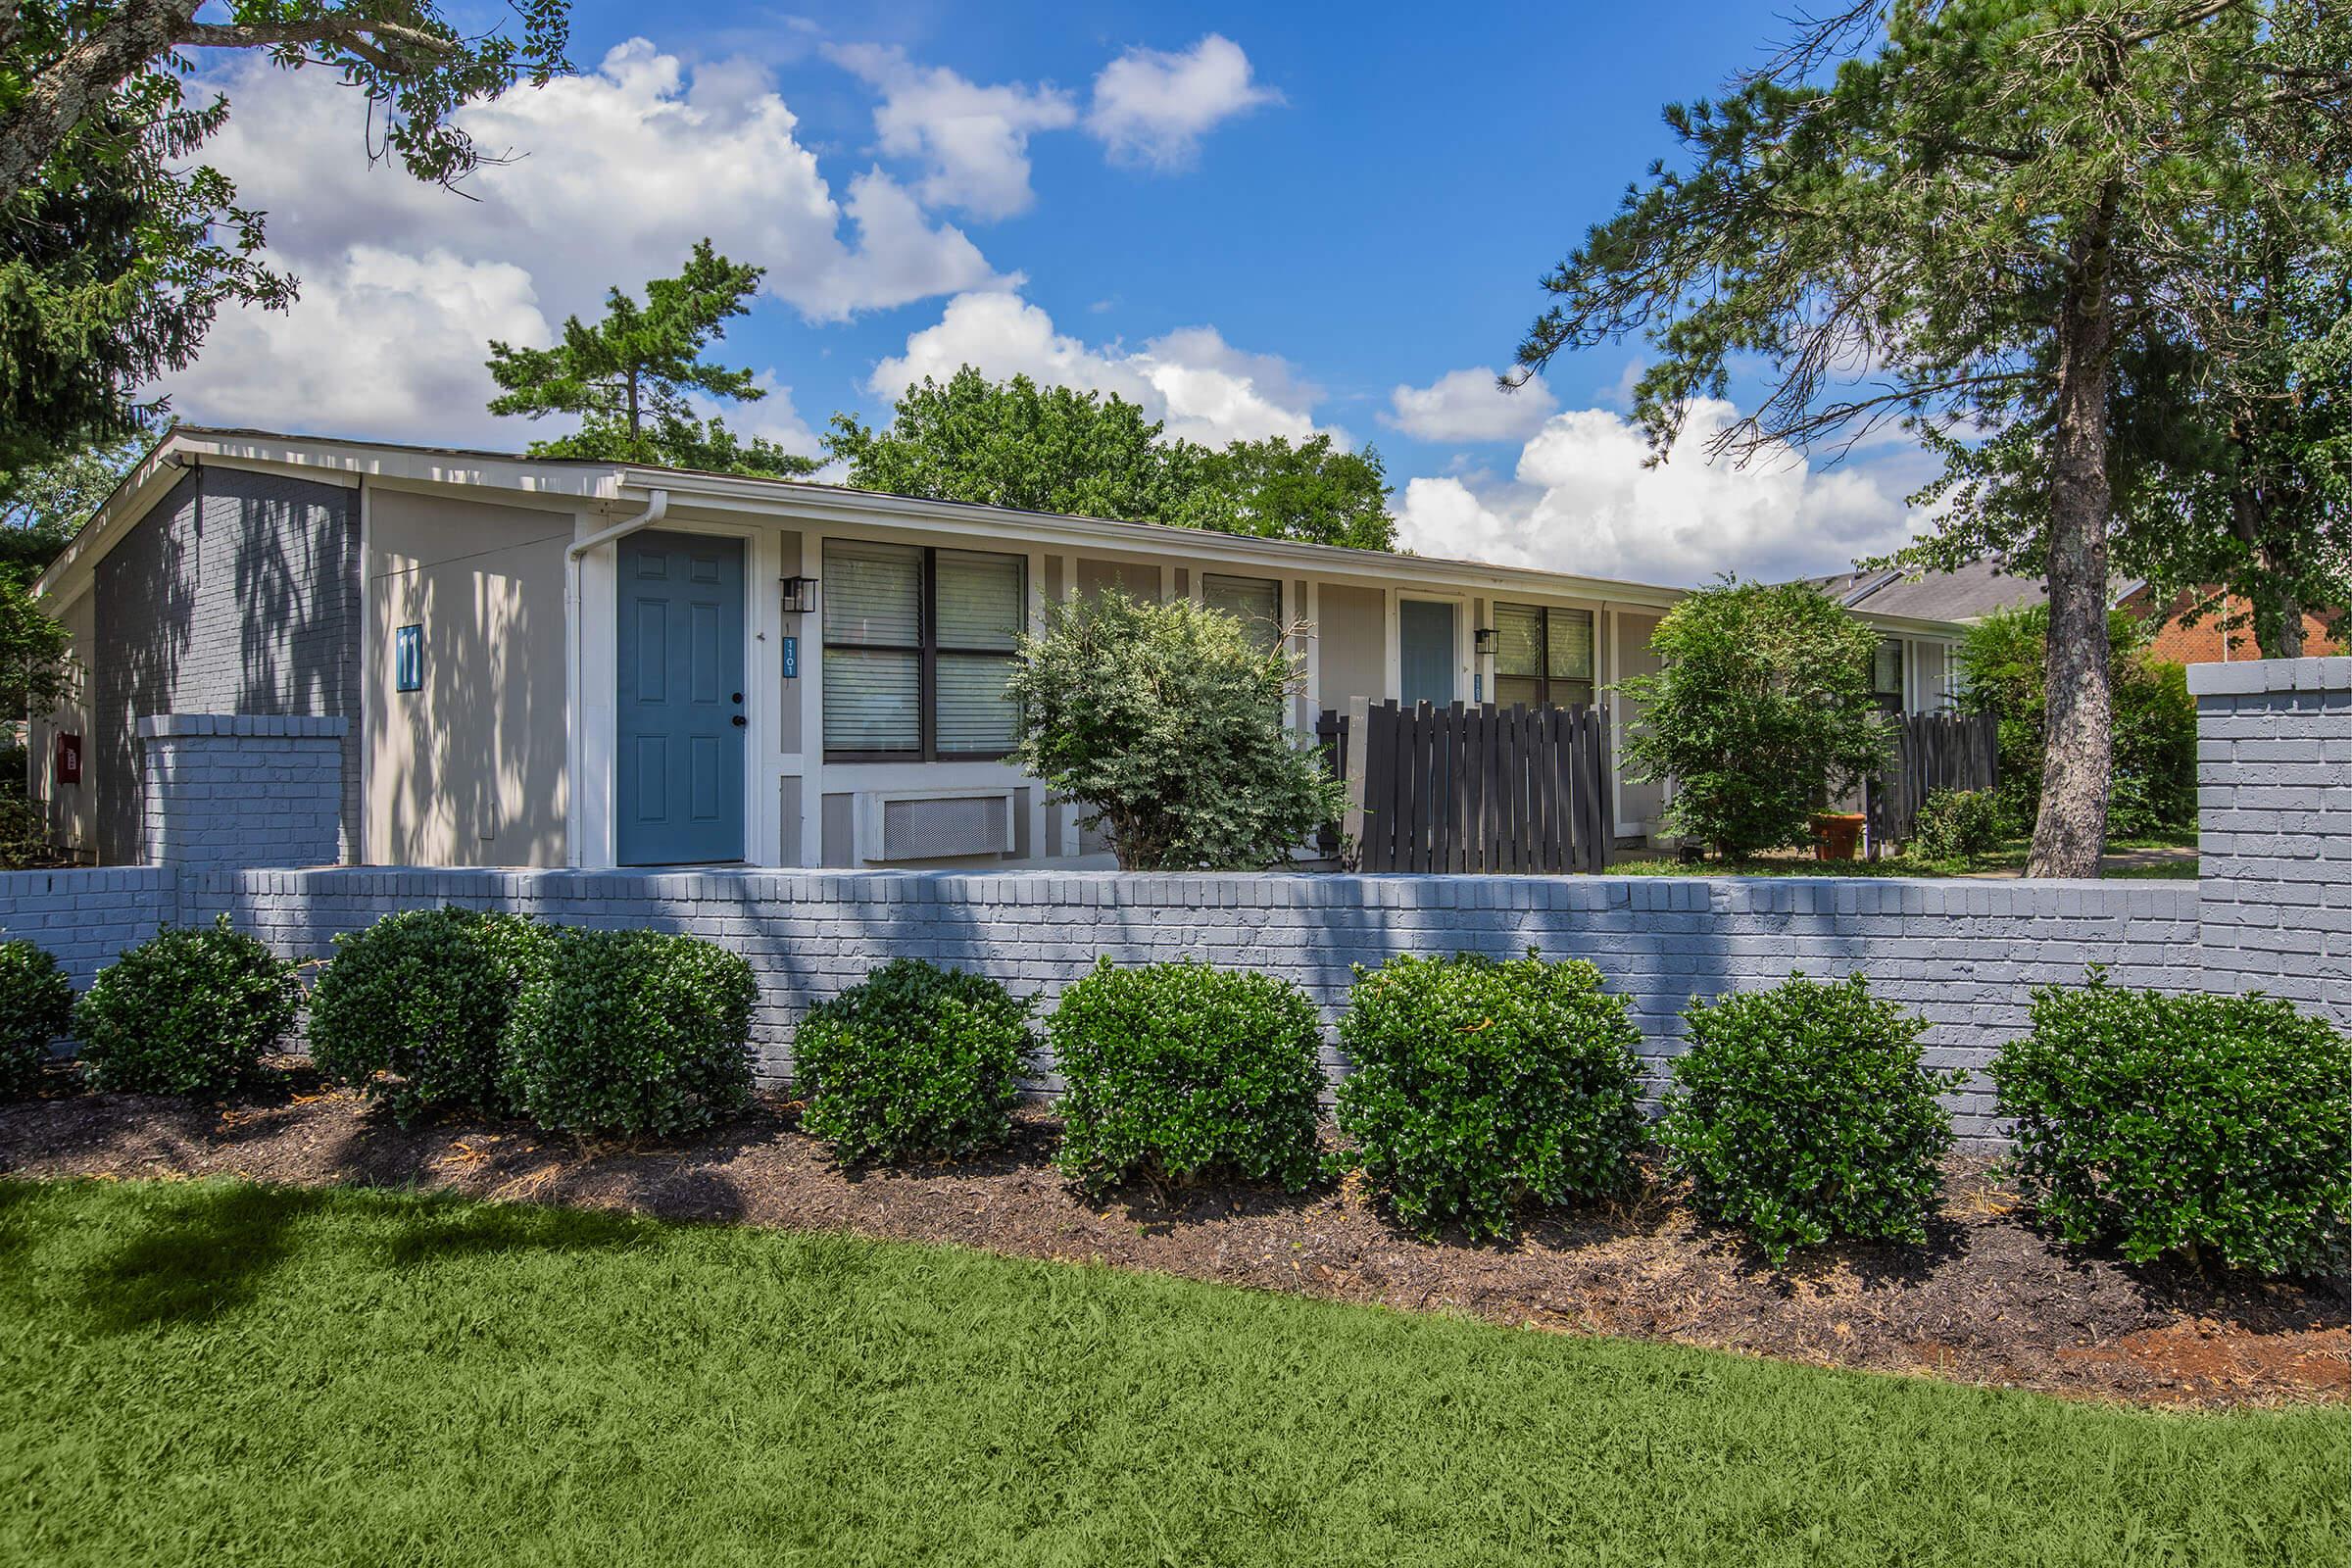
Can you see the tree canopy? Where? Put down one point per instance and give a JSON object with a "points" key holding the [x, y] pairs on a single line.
{"points": [[116, 246], [1315, 490], [1961, 213], [1016, 443], [43, 505], [628, 376]]}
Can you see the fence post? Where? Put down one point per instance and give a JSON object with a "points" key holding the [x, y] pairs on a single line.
{"points": [[1357, 742]]}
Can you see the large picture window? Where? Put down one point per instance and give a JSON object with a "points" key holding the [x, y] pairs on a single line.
{"points": [[918, 645], [1543, 656]]}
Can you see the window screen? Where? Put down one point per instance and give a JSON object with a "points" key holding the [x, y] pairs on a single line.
{"points": [[1886, 673], [1543, 656], [1257, 600], [1518, 655], [980, 614], [873, 616]]}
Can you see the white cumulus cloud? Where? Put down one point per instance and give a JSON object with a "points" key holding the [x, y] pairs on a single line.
{"points": [[383, 345], [1581, 500], [613, 174], [1205, 388], [1468, 406], [1152, 106], [974, 139]]}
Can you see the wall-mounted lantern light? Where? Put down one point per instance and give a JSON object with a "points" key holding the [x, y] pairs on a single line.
{"points": [[800, 596], [1486, 637]]}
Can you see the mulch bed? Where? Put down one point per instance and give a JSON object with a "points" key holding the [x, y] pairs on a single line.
{"points": [[1987, 1301]]}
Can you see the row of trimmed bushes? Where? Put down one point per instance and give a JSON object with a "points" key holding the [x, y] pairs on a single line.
{"points": [[2214, 1126], [2206, 1125], [581, 1030]]}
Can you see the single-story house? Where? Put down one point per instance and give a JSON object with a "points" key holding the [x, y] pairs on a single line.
{"points": [[546, 663]]}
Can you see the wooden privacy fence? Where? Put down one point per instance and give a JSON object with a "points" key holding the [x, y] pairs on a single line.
{"points": [[1473, 789], [1931, 752]]}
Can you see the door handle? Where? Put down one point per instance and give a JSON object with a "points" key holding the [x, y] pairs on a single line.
{"points": [[741, 721]]}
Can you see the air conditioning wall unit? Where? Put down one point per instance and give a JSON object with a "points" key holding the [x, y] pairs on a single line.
{"points": [[895, 826]]}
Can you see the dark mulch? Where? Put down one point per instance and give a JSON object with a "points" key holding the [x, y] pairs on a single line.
{"points": [[1988, 1301]]}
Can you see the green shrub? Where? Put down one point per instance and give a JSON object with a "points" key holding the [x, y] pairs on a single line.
{"points": [[1478, 1086], [1763, 708], [916, 1060], [1177, 1070], [36, 1006], [2153, 785], [413, 1009], [1803, 1113], [187, 1011], [2214, 1127], [1957, 825], [631, 1032], [1168, 725]]}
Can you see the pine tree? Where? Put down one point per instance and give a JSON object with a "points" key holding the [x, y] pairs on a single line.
{"points": [[628, 376]]}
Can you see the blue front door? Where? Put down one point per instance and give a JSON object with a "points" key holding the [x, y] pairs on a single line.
{"points": [[1425, 652], [681, 714]]}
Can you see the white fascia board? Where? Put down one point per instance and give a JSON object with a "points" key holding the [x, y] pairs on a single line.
{"points": [[1913, 627], [788, 504]]}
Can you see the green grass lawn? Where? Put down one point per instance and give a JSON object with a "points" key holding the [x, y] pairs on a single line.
{"points": [[216, 1373]]}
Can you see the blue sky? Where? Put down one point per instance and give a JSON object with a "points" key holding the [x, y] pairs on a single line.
{"points": [[1253, 219]]}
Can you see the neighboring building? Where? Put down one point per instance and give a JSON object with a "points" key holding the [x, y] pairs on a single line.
{"points": [[1981, 587], [2215, 639], [550, 662]]}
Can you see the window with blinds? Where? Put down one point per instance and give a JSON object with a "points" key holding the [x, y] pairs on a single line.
{"points": [[1543, 656], [1887, 675], [918, 645], [1256, 602]]}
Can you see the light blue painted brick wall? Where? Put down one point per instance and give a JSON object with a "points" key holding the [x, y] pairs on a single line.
{"points": [[242, 789]]}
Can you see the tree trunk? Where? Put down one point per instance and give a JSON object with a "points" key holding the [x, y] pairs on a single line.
{"points": [[2072, 828], [60, 96]]}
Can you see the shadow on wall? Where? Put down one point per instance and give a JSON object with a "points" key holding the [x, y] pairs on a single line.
{"points": [[474, 762], [143, 622], [237, 594]]}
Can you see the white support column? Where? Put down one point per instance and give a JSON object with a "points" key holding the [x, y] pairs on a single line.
{"points": [[1605, 648], [1313, 617], [812, 683], [763, 698], [591, 664], [362, 834], [1392, 650], [1069, 819], [1034, 611]]}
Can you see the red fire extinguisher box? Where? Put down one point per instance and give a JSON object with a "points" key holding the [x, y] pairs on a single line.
{"points": [[68, 759]]}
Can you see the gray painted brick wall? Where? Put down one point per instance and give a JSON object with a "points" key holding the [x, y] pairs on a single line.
{"points": [[2269, 913], [239, 594], [242, 789], [87, 917], [1962, 953], [2275, 827]]}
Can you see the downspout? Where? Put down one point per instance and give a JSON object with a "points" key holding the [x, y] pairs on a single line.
{"points": [[656, 507]]}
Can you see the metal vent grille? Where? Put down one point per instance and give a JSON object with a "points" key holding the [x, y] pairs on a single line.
{"points": [[936, 828]]}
